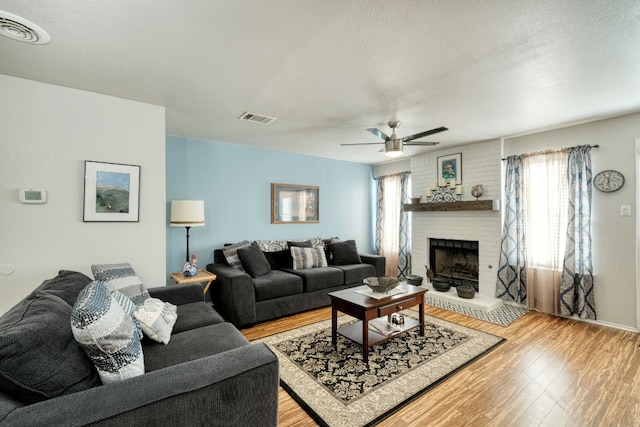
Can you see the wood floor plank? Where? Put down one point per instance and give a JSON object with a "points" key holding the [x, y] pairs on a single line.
{"points": [[551, 371]]}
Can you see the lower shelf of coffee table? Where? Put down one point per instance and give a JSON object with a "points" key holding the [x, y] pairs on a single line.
{"points": [[353, 331]]}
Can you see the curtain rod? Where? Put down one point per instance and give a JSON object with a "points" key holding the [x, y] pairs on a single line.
{"points": [[535, 153]]}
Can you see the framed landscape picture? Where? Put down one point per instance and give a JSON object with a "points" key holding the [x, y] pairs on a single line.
{"points": [[111, 192], [450, 168], [292, 204]]}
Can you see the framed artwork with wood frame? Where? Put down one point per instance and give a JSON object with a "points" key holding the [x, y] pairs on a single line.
{"points": [[294, 204]]}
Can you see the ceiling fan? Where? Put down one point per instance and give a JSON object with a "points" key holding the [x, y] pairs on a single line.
{"points": [[393, 145]]}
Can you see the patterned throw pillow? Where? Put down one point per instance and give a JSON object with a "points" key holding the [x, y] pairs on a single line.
{"points": [[121, 277], [308, 257], [231, 254], [130, 308], [107, 334], [157, 319]]}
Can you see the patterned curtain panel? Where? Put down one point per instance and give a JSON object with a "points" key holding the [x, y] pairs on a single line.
{"points": [[379, 213], [404, 251], [392, 223], [512, 277], [576, 285]]}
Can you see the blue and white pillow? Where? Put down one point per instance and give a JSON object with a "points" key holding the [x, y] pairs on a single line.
{"points": [[107, 334], [130, 308], [121, 277]]}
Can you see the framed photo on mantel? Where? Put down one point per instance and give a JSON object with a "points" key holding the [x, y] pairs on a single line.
{"points": [[294, 204], [111, 192]]}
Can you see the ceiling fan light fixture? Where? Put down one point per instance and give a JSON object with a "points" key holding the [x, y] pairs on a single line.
{"points": [[393, 153], [393, 148]]}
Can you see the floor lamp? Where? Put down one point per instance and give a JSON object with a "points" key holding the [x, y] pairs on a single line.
{"points": [[187, 213]]}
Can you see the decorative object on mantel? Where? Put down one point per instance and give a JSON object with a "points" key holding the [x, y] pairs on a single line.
{"points": [[445, 193], [477, 191], [415, 200]]}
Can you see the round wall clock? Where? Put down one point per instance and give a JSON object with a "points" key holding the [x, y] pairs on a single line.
{"points": [[608, 181]]}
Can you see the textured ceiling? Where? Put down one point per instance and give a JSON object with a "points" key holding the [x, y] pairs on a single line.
{"points": [[327, 70]]}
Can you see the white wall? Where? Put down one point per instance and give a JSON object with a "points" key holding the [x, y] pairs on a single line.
{"points": [[614, 258], [47, 132], [480, 165]]}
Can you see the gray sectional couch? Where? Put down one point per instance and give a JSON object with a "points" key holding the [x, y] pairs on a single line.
{"points": [[248, 291], [208, 374]]}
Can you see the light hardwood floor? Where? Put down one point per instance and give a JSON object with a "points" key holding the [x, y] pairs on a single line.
{"points": [[551, 371]]}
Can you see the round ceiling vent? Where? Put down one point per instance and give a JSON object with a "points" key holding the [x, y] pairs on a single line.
{"points": [[20, 29]]}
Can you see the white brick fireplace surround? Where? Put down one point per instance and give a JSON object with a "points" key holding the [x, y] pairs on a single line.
{"points": [[481, 164]]}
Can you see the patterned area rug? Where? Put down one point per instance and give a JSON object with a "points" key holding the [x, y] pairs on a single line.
{"points": [[337, 389], [502, 315]]}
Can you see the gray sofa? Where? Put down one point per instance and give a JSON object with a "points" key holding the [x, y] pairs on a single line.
{"points": [[245, 299], [208, 374]]}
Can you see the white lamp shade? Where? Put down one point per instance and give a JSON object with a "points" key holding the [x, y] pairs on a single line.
{"points": [[187, 213]]}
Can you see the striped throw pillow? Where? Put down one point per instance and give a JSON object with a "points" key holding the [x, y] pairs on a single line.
{"points": [[230, 253], [121, 277], [308, 257]]}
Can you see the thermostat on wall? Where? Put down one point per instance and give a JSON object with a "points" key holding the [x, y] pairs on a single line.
{"points": [[33, 196]]}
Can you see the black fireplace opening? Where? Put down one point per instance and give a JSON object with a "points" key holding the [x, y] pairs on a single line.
{"points": [[454, 262]]}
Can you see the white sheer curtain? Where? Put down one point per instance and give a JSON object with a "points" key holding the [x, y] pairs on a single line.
{"points": [[390, 233], [546, 217]]}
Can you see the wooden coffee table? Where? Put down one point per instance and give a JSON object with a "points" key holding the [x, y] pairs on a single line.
{"points": [[365, 309]]}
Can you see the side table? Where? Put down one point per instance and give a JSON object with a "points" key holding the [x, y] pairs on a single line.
{"points": [[202, 277]]}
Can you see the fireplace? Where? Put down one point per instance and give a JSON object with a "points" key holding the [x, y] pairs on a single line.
{"points": [[454, 261]]}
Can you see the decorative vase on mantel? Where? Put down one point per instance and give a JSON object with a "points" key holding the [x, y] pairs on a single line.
{"points": [[477, 191]]}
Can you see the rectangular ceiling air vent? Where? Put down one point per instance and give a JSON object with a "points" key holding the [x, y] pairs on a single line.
{"points": [[256, 118]]}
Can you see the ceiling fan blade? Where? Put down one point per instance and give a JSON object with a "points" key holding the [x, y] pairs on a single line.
{"points": [[426, 133], [377, 132], [423, 143], [365, 143]]}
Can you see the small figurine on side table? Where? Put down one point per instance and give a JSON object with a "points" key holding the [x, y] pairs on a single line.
{"points": [[190, 269]]}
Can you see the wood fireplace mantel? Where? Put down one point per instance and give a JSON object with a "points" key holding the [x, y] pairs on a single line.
{"points": [[471, 205]]}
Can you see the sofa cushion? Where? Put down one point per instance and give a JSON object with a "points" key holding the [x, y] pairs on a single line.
{"points": [[195, 315], [121, 277], [318, 278], [276, 284], [192, 345], [307, 257], [356, 273], [231, 254], [254, 261], [107, 334], [39, 358], [344, 253], [157, 318], [66, 285]]}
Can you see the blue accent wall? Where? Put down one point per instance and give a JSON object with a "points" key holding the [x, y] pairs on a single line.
{"points": [[235, 183]]}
